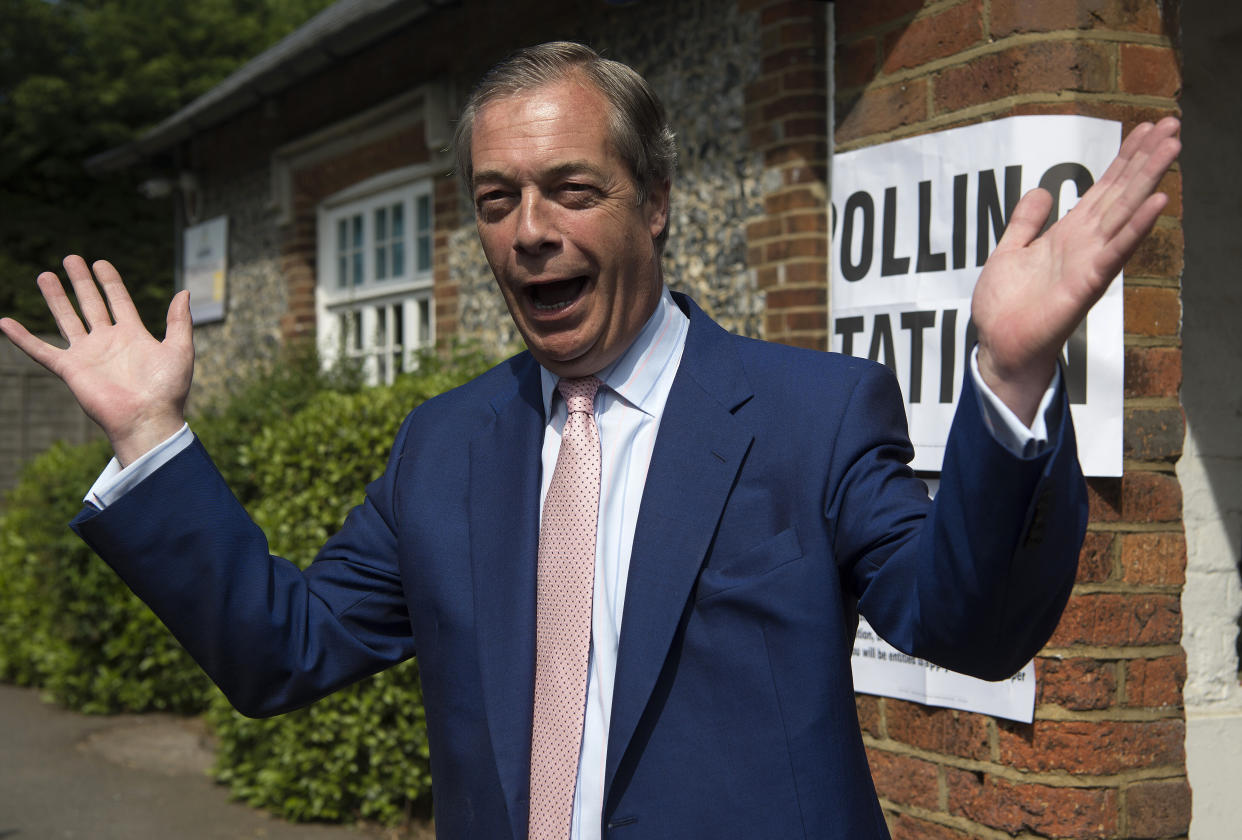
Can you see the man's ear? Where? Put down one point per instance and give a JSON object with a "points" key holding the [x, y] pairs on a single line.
{"points": [[657, 207]]}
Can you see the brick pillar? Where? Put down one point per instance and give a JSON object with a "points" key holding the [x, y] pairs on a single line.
{"points": [[787, 122], [1104, 757]]}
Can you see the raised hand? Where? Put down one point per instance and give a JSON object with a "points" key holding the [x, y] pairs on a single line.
{"points": [[132, 385], [1034, 290]]}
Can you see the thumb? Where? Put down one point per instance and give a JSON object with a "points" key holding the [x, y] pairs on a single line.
{"points": [[180, 331], [1026, 220]]}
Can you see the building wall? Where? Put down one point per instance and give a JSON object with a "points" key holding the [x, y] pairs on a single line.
{"points": [[1210, 470], [36, 410], [256, 298], [1104, 757]]}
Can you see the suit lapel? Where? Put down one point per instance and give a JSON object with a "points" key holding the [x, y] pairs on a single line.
{"points": [[504, 539], [700, 448]]}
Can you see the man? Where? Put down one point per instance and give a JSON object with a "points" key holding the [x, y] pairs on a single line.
{"points": [[751, 500]]}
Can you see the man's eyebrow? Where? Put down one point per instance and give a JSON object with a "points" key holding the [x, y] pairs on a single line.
{"points": [[560, 170]]}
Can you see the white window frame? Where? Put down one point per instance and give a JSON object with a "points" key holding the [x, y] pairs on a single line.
{"points": [[380, 321]]}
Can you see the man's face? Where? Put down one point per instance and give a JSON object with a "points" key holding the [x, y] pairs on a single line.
{"points": [[558, 215]]}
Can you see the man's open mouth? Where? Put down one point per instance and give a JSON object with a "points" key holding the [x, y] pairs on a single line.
{"points": [[549, 297]]}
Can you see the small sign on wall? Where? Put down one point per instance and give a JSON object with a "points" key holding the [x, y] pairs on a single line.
{"points": [[204, 268]]}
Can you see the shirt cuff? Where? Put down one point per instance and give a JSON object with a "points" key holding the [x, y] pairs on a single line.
{"points": [[115, 481], [1010, 432]]}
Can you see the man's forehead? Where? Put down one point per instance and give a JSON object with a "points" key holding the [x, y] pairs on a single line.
{"points": [[557, 128]]}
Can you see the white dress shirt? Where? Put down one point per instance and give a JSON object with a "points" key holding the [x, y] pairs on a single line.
{"points": [[628, 411]]}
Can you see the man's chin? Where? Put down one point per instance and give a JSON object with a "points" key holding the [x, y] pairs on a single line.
{"points": [[566, 362]]}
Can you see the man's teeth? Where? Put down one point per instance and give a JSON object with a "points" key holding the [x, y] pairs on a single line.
{"points": [[554, 296], [549, 307]]}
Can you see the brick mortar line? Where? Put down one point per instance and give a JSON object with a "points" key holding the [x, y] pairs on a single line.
{"points": [[1138, 465], [1167, 467], [1148, 403], [1062, 97], [978, 831], [1110, 37], [1138, 714], [1057, 778], [1119, 652], [1148, 281], [1126, 589], [1170, 526], [997, 107], [794, 261], [1152, 341]]}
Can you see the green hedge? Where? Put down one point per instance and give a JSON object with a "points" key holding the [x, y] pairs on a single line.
{"points": [[298, 449], [67, 623]]}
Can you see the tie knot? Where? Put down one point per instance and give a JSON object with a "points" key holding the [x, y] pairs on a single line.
{"points": [[579, 393]]}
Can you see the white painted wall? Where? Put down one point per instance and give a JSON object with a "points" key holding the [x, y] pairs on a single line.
{"points": [[1210, 469]]}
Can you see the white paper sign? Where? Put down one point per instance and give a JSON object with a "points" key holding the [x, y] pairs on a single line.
{"points": [[879, 668], [204, 261], [913, 222]]}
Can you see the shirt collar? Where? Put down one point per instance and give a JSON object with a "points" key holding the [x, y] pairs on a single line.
{"points": [[634, 375]]}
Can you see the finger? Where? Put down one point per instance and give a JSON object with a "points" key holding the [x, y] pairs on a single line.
{"points": [[180, 330], [1118, 250], [94, 310], [58, 304], [1138, 185], [33, 346], [119, 301], [1130, 161], [1099, 192], [1026, 220]]}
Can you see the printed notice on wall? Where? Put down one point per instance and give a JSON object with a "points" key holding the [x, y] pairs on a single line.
{"points": [[879, 668], [913, 222], [204, 263]]}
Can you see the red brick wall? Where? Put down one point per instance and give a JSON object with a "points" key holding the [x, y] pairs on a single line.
{"points": [[787, 123], [1105, 756]]}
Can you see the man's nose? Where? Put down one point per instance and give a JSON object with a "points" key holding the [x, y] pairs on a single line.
{"points": [[536, 227]]}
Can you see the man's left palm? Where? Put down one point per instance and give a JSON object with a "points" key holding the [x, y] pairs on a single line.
{"points": [[1035, 290]]}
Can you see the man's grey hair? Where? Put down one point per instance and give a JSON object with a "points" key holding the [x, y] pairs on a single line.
{"points": [[637, 127]]}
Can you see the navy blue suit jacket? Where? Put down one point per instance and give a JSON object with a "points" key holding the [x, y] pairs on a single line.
{"points": [[778, 505]]}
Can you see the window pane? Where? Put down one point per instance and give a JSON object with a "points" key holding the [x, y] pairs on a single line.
{"points": [[357, 220], [381, 262], [342, 272], [398, 258], [424, 321], [398, 219], [424, 253], [342, 236], [357, 268], [381, 224], [424, 213]]}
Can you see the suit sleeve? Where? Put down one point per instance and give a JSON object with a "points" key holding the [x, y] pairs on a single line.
{"points": [[271, 636], [975, 581]]}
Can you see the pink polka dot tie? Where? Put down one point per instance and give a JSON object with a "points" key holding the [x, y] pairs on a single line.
{"points": [[563, 597]]}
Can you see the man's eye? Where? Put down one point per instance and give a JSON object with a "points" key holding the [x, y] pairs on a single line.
{"points": [[576, 192], [491, 202]]}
